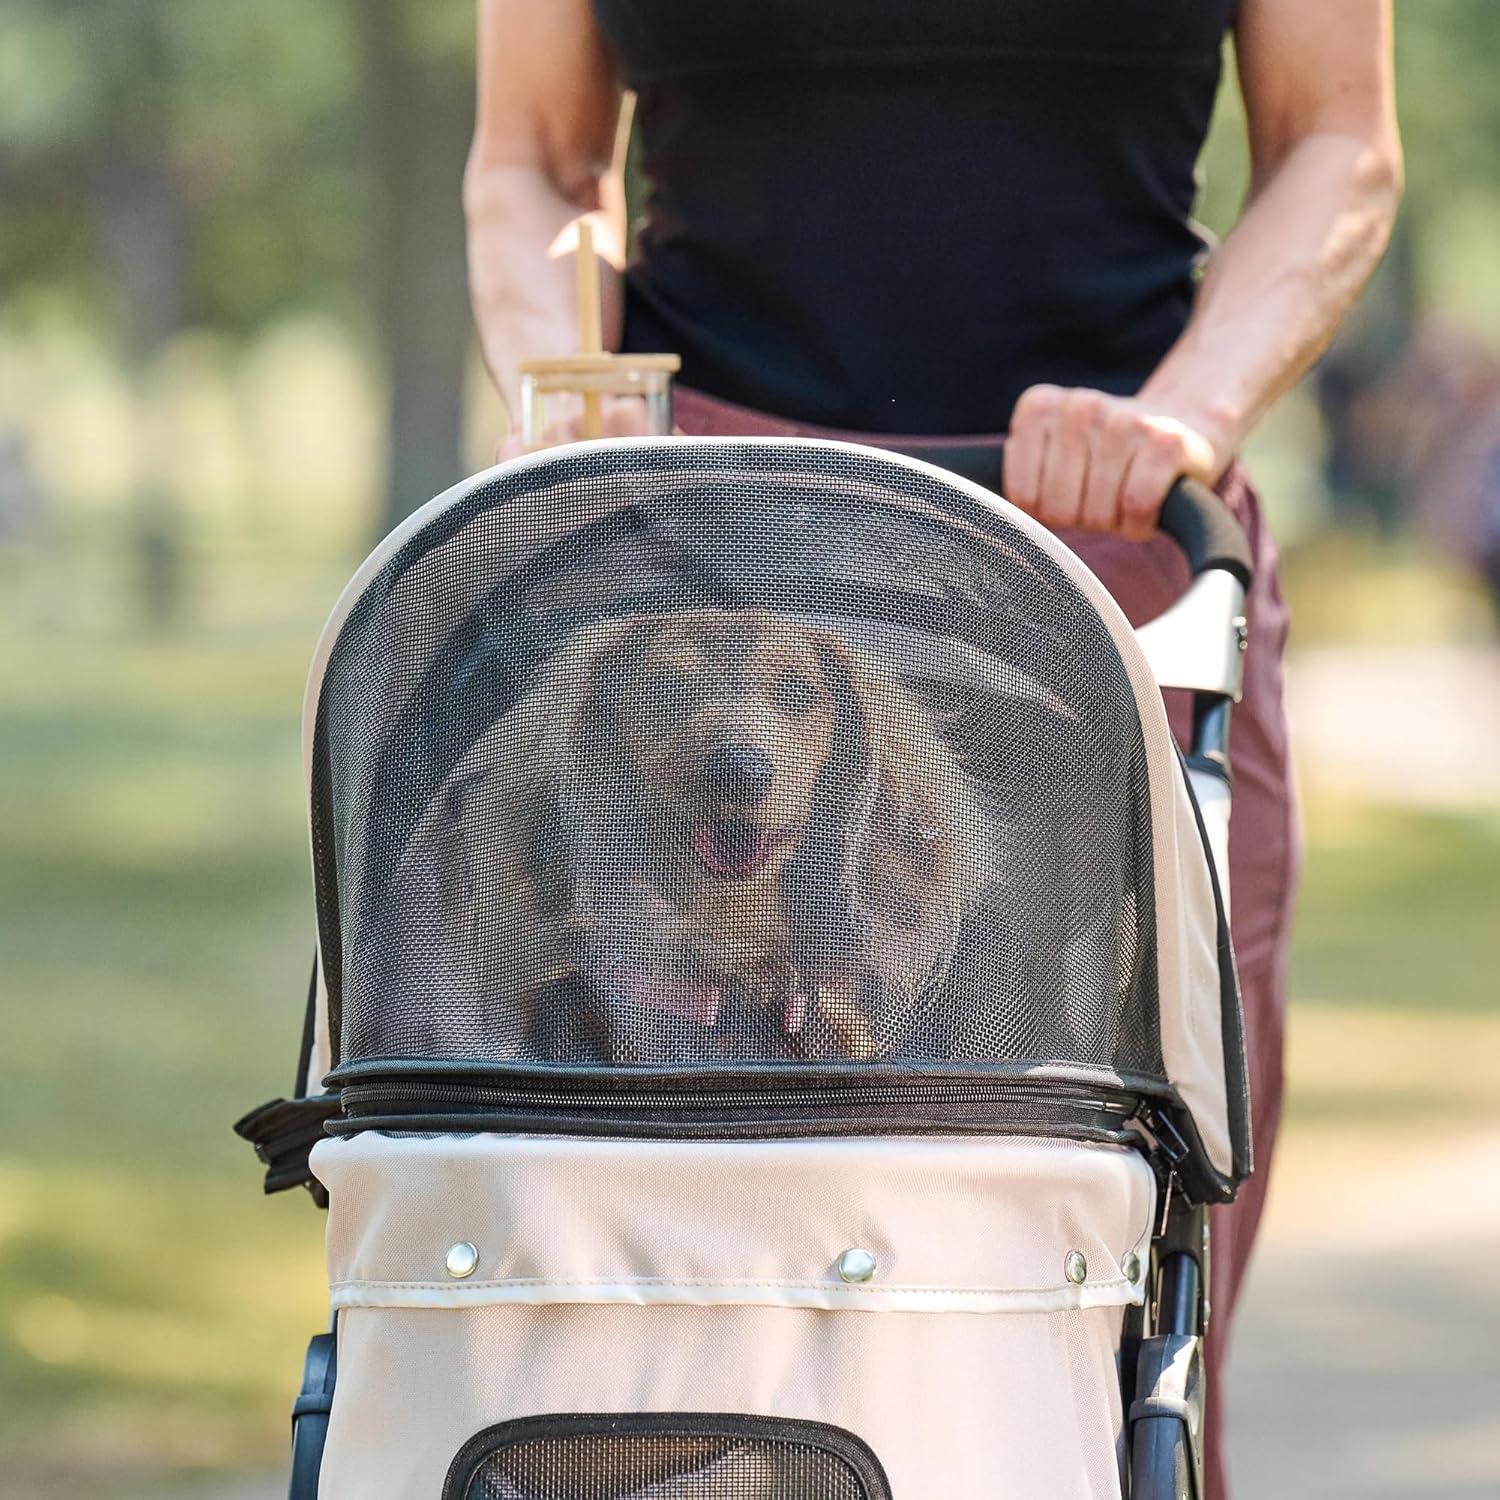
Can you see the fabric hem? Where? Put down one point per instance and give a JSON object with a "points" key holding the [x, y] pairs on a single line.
{"points": [[652, 1292]]}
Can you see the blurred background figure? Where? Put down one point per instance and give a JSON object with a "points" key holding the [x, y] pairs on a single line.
{"points": [[1426, 431], [234, 345]]}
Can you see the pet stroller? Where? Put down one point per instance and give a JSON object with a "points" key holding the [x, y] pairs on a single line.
{"points": [[774, 994]]}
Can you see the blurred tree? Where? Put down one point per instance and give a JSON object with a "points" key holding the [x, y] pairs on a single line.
{"points": [[419, 105], [1446, 53], [172, 163], [175, 163], [1443, 246], [1450, 121]]}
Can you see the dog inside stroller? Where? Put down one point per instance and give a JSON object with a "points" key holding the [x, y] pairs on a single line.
{"points": [[774, 1011]]}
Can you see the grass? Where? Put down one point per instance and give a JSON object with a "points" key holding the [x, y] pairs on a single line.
{"points": [[156, 932], [1394, 1017], [155, 927], [1400, 910]]}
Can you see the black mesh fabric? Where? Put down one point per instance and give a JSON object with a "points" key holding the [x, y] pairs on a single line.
{"points": [[744, 1461], [682, 755]]}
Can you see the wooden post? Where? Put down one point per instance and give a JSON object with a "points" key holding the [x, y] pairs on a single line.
{"points": [[590, 374], [590, 336]]}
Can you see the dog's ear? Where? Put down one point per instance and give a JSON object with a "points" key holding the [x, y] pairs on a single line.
{"points": [[890, 751], [914, 837], [819, 886], [569, 735], [578, 690], [851, 768]]}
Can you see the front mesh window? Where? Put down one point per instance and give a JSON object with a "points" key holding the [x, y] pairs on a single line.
{"points": [[678, 756], [666, 1457]]}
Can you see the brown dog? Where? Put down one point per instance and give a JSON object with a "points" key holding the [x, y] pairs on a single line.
{"points": [[745, 842]]}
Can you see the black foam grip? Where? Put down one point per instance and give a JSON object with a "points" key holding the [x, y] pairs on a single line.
{"points": [[1205, 528], [1192, 514]]}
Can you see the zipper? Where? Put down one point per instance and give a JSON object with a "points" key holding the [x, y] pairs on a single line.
{"points": [[692, 1107]]}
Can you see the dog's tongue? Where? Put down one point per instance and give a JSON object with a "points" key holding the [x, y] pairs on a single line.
{"points": [[735, 849]]}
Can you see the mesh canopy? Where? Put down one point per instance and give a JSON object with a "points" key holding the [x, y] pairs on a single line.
{"points": [[683, 754], [669, 1458]]}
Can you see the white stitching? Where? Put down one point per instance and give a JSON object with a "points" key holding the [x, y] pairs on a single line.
{"points": [[841, 1288]]}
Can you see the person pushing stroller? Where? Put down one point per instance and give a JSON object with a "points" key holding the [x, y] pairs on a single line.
{"points": [[889, 221]]}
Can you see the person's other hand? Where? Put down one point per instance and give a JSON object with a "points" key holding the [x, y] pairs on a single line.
{"points": [[622, 416], [1080, 458]]}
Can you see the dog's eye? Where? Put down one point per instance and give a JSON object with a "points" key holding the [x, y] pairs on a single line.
{"points": [[670, 695], [795, 694]]}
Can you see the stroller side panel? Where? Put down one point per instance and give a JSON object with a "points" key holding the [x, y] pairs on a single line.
{"points": [[998, 1274], [965, 1407], [1211, 791]]}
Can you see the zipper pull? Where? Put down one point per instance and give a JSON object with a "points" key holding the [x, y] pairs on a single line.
{"points": [[1171, 1151], [1169, 1139]]}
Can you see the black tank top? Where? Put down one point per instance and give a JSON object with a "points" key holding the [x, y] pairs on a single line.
{"points": [[895, 216]]}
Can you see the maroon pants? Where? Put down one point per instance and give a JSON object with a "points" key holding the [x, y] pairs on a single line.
{"points": [[1263, 862], [1263, 846]]}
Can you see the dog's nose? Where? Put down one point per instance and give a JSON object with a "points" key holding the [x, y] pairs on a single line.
{"points": [[738, 774]]}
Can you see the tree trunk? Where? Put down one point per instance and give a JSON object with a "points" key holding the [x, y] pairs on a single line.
{"points": [[420, 117], [143, 239]]}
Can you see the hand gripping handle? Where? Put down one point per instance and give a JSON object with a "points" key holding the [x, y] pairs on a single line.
{"points": [[1192, 514]]}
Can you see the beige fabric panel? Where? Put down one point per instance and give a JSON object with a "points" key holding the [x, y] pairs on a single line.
{"points": [[633, 1276], [955, 1224], [320, 1059], [1192, 1026], [967, 1408], [1214, 802]]}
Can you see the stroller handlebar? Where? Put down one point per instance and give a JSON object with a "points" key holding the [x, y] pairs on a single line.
{"points": [[1205, 528], [1192, 514]]}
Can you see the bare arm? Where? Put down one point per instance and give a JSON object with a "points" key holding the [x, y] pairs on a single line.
{"points": [[543, 156], [1326, 179]]}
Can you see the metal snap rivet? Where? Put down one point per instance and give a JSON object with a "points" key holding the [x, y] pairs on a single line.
{"points": [[856, 1266], [1131, 1266], [1075, 1267], [461, 1260]]}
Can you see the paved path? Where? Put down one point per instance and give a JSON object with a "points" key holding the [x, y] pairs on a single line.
{"points": [[1368, 1377], [1367, 1360], [1414, 724]]}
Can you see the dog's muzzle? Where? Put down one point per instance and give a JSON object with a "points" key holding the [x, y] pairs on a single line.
{"points": [[737, 775]]}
